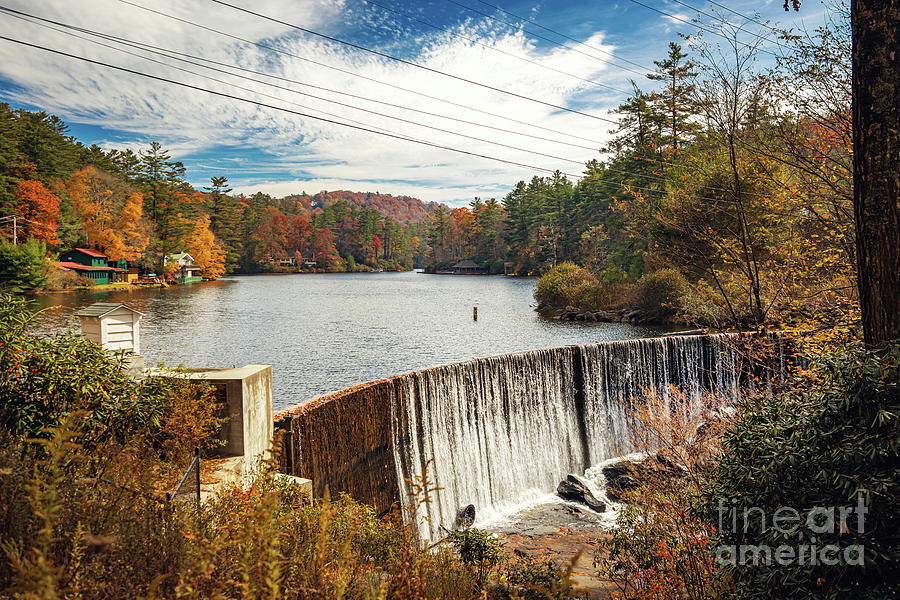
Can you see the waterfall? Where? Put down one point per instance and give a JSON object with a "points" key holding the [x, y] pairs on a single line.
{"points": [[490, 430], [495, 428]]}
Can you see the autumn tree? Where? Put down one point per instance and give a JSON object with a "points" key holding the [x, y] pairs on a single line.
{"points": [[39, 209], [110, 212], [206, 250]]}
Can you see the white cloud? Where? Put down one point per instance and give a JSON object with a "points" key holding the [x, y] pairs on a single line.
{"points": [[313, 154]]}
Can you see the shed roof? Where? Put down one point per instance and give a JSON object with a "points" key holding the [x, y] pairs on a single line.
{"points": [[465, 264], [99, 309]]}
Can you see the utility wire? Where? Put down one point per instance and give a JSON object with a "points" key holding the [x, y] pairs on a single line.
{"points": [[701, 27], [410, 62], [562, 35], [293, 91], [279, 108], [751, 19], [357, 75], [541, 37], [339, 123], [724, 21], [175, 55], [139, 47], [489, 47]]}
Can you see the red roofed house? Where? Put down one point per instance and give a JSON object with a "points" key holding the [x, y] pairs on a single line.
{"points": [[93, 264]]}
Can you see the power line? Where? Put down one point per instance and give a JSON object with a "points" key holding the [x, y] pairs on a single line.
{"points": [[489, 47], [175, 55], [718, 18], [139, 46], [335, 122], [409, 62], [357, 75], [751, 19], [279, 108], [562, 35], [416, 123], [546, 39], [701, 27]]}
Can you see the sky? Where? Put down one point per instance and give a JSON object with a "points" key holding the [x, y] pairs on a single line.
{"points": [[546, 76]]}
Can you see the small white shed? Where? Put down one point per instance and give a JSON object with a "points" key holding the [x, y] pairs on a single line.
{"points": [[113, 325]]}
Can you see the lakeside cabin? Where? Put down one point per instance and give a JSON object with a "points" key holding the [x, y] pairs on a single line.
{"points": [[467, 267], [187, 271], [94, 265]]}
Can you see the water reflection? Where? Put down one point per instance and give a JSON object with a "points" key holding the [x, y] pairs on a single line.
{"points": [[324, 332]]}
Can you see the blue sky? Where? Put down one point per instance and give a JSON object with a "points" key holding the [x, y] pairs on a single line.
{"points": [[262, 149]]}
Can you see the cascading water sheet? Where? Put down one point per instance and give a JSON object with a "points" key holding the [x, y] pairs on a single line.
{"points": [[493, 429]]}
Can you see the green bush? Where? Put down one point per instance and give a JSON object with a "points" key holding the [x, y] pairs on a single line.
{"points": [[661, 293], [23, 267], [564, 284], [477, 548], [834, 444]]}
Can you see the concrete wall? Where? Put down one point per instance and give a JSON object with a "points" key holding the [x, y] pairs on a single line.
{"points": [[247, 392]]}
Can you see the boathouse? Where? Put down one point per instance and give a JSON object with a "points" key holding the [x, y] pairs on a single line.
{"points": [[466, 267], [187, 271]]}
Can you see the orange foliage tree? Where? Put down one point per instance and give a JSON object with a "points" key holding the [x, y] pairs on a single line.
{"points": [[40, 210], [206, 250], [110, 212]]}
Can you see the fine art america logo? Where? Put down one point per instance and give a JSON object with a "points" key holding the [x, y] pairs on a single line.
{"points": [[823, 521]]}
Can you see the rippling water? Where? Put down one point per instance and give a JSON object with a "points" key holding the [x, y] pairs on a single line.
{"points": [[323, 332]]}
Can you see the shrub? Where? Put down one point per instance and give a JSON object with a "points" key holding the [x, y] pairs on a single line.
{"points": [[23, 267], [661, 293], [477, 548], [833, 444], [662, 547], [563, 284]]}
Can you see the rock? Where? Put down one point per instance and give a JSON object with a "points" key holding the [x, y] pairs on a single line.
{"points": [[571, 309], [465, 516], [573, 488], [619, 479], [628, 475]]}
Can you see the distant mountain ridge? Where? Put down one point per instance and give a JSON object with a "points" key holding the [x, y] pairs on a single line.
{"points": [[404, 209]]}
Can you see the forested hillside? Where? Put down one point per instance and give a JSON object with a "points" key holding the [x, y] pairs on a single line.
{"points": [[403, 209], [137, 206]]}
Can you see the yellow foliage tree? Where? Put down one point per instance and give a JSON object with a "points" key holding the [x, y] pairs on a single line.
{"points": [[111, 213], [206, 250]]}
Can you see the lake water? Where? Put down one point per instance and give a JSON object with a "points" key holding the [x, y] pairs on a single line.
{"points": [[324, 332]]}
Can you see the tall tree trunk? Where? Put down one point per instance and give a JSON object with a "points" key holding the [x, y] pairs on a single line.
{"points": [[876, 164]]}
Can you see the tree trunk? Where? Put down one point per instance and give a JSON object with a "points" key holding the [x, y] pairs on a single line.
{"points": [[876, 164]]}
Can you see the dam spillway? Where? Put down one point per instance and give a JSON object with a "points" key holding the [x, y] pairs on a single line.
{"points": [[488, 429]]}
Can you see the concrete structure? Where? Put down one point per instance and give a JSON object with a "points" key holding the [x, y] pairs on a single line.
{"points": [[247, 393], [114, 326]]}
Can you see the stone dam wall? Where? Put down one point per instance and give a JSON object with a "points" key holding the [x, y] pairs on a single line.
{"points": [[488, 429]]}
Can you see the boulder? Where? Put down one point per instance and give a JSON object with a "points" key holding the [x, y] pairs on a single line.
{"points": [[574, 489], [465, 516], [628, 475]]}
